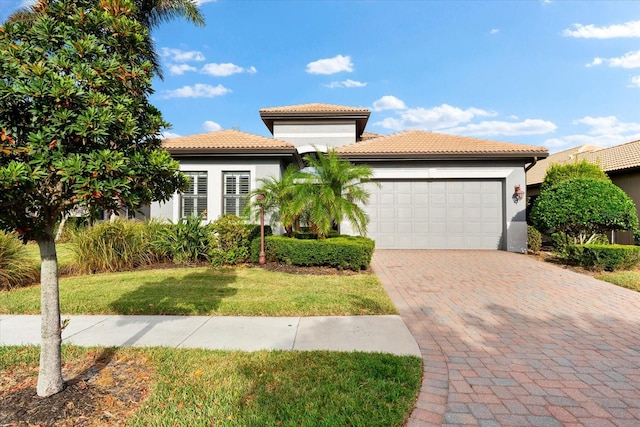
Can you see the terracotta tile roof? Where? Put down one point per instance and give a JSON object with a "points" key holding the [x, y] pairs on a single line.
{"points": [[612, 159], [224, 141], [536, 174], [369, 135], [625, 156], [429, 144], [314, 108]]}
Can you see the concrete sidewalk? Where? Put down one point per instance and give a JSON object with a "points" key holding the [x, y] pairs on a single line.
{"points": [[387, 334]]}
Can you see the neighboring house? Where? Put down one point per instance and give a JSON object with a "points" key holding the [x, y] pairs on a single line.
{"points": [[431, 191], [621, 163]]}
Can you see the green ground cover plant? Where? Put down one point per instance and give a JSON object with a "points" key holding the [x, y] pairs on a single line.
{"points": [[277, 388], [205, 291]]}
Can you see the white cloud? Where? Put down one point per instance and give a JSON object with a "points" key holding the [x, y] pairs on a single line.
{"points": [[346, 83], [436, 118], [488, 128], [199, 2], [628, 29], [494, 31], [211, 126], [628, 60], [388, 102], [330, 65], [169, 135], [607, 125], [226, 69], [178, 55], [635, 81], [601, 131], [180, 69], [198, 90]]}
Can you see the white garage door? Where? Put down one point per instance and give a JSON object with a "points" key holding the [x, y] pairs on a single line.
{"points": [[436, 214]]}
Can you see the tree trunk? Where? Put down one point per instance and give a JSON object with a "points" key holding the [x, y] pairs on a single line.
{"points": [[50, 376], [60, 231]]}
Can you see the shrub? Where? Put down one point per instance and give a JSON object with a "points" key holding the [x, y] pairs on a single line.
{"points": [[184, 242], [636, 237], [229, 241], [16, 266], [346, 252], [583, 208], [534, 239], [111, 246], [604, 257], [562, 172]]}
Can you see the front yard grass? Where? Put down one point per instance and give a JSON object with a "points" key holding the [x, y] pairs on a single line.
{"points": [[202, 387], [205, 291], [627, 279]]}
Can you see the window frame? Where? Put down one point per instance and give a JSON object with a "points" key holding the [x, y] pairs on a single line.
{"points": [[239, 197], [200, 195]]}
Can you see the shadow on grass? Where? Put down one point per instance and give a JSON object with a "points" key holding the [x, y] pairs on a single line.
{"points": [[328, 388], [198, 293]]}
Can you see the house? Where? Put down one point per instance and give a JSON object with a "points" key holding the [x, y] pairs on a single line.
{"points": [[621, 163], [431, 191]]}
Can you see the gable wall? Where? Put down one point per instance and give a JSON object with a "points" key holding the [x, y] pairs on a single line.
{"points": [[329, 133]]}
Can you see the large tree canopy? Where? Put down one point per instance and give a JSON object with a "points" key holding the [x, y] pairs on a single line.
{"points": [[76, 127]]}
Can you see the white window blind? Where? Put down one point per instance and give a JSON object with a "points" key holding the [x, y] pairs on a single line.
{"points": [[236, 188], [194, 200]]}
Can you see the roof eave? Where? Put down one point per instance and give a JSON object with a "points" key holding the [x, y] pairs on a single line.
{"points": [[444, 156], [231, 151], [361, 118]]}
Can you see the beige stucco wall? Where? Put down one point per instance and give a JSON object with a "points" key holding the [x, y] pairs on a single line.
{"points": [[630, 183]]}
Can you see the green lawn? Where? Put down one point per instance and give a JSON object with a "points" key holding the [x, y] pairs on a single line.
{"points": [[276, 388], [63, 250], [205, 291], [627, 279]]}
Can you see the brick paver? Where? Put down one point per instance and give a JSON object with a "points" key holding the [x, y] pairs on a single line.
{"points": [[508, 340]]}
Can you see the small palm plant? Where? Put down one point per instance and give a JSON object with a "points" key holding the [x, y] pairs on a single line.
{"points": [[323, 195]]}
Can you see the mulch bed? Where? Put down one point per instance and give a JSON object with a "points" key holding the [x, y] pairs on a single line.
{"points": [[101, 390]]}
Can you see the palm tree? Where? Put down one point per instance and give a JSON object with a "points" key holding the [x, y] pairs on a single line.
{"points": [[280, 201], [331, 191], [150, 13]]}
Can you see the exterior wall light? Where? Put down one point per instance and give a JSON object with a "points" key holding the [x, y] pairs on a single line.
{"points": [[518, 193]]}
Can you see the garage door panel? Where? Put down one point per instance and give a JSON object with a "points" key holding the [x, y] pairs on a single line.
{"points": [[434, 214]]}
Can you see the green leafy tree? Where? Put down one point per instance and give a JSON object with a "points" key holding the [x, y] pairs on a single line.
{"points": [[76, 128], [150, 13], [584, 208], [333, 192], [561, 172]]}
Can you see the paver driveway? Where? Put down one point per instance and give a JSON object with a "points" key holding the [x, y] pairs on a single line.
{"points": [[508, 340]]}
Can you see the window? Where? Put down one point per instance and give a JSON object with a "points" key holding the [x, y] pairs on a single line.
{"points": [[236, 188], [194, 200]]}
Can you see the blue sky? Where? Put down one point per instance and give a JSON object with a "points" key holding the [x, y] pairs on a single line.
{"points": [[552, 73]]}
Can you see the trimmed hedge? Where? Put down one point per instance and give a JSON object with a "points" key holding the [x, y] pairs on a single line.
{"points": [[607, 257], [346, 252]]}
